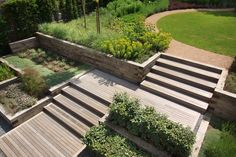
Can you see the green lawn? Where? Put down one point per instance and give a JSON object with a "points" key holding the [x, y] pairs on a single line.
{"points": [[212, 31]]}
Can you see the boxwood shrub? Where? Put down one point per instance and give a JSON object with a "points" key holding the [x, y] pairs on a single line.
{"points": [[151, 126], [104, 142]]}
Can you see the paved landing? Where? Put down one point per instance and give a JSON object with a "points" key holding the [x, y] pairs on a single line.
{"points": [[105, 86]]}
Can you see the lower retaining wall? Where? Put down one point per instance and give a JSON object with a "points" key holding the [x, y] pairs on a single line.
{"points": [[25, 44], [224, 104]]}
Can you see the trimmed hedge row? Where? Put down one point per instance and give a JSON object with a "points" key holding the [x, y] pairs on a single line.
{"points": [[21, 16], [220, 3], [151, 126], [104, 142]]}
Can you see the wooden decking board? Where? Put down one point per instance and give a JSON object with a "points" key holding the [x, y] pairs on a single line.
{"points": [[62, 134], [190, 69], [192, 63], [14, 147], [54, 140], [6, 149], [184, 77], [60, 114], [181, 98], [74, 107], [72, 119], [46, 141], [182, 86], [92, 103], [25, 145], [94, 82], [107, 95], [51, 136], [35, 140]]}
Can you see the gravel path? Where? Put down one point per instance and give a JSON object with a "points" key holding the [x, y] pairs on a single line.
{"points": [[186, 51]]}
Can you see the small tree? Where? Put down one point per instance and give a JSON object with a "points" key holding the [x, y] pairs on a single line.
{"points": [[98, 17], [84, 12]]}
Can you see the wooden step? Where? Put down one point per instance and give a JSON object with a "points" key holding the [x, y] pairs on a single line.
{"points": [[67, 119], [180, 87], [192, 63], [174, 96], [184, 78], [97, 94], [207, 75], [76, 110], [88, 102]]}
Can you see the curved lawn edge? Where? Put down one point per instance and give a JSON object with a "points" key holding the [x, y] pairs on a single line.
{"points": [[190, 52]]}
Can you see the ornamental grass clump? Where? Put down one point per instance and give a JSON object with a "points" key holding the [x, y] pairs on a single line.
{"points": [[33, 83], [151, 126]]}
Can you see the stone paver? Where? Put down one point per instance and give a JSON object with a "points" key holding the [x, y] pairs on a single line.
{"points": [[186, 51]]}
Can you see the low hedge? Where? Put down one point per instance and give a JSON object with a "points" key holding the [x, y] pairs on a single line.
{"points": [[151, 126], [104, 142], [218, 3]]}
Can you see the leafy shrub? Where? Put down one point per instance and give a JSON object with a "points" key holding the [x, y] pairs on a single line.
{"points": [[123, 7], [46, 9], [33, 83], [3, 34], [5, 72], [14, 99], [151, 126], [106, 143], [124, 48], [158, 41], [22, 16]]}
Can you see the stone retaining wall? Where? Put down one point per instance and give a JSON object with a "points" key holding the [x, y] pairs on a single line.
{"points": [[25, 44], [128, 70], [224, 104]]}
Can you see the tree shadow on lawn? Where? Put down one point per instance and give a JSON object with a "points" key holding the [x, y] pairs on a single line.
{"points": [[57, 78]]}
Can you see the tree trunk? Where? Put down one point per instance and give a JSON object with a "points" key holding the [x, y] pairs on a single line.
{"points": [[84, 13], [98, 19]]}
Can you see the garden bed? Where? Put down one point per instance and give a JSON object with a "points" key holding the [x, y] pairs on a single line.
{"points": [[220, 139], [40, 70], [123, 33], [54, 68], [103, 141]]}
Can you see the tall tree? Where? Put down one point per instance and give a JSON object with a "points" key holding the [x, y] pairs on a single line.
{"points": [[98, 17]]}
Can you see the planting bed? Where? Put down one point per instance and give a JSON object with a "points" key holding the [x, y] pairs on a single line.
{"points": [[123, 33], [220, 139], [14, 99], [55, 69], [24, 97]]}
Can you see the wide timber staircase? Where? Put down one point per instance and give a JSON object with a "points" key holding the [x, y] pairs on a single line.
{"points": [[184, 82], [59, 129]]}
